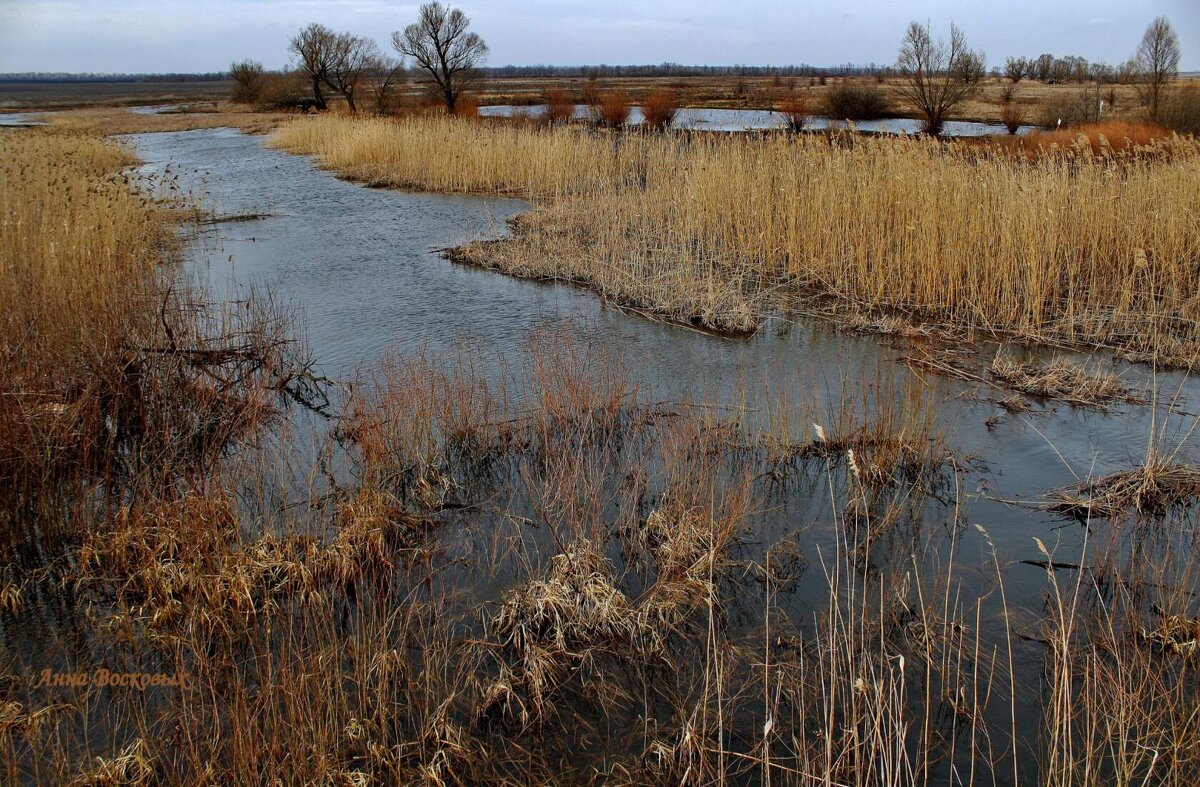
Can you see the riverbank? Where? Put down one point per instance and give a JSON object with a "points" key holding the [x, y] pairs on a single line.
{"points": [[723, 232]]}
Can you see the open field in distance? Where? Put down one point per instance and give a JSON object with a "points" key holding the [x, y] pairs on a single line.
{"points": [[715, 92], [19, 96]]}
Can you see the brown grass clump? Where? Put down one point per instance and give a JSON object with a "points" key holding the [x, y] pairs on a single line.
{"points": [[1119, 642], [1099, 139], [659, 110], [132, 767], [1063, 380], [1154, 489], [553, 623]]}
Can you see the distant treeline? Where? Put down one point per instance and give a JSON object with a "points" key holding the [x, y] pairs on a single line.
{"points": [[680, 70], [48, 76], [532, 72]]}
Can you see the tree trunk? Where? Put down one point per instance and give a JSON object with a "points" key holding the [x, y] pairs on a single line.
{"points": [[318, 96]]}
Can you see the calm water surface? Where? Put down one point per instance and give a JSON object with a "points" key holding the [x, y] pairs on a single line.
{"points": [[714, 119]]}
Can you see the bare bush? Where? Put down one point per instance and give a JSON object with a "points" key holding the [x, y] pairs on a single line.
{"points": [[1077, 107], [1180, 109], [660, 109], [560, 107], [1012, 116], [609, 109], [795, 111], [855, 102], [287, 90], [247, 79]]}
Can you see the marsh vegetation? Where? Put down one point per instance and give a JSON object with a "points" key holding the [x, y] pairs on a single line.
{"points": [[722, 232], [944, 533]]}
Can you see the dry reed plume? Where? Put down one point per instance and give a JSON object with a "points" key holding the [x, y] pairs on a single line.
{"points": [[717, 230]]}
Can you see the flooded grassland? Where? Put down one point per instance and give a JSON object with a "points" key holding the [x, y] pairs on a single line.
{"points": [[398, 519]]}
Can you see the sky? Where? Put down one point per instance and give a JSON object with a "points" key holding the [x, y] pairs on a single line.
{"points": [[207, 35]]}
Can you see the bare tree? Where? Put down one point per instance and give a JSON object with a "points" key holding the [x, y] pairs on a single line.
{"points": [[1016, 69], [441, 46], [384, 77], [1157, 63], [247, 81], [934, 75], [351, 58], [971, 67], [314, 46], [1040, 68]]}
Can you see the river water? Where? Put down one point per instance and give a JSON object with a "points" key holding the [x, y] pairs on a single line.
{"points": [[714, 119], [361, 267]]}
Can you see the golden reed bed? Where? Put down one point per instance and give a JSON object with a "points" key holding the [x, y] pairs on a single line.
{"points": [[1071, 247]]}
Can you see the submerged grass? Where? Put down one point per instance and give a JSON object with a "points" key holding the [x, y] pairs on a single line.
{"points": [[717, 230]]}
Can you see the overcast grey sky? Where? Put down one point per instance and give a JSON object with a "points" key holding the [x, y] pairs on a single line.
{"points": [[205, 35]]}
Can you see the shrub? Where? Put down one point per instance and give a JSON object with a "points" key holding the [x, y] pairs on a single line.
{"points": [[560, 107], [247, 79], [855, 102], [1180, 110], [611, 109], [795, 111], [660, 109], [284, 91], [1012, 116], [466, 107], [1074, 108]]}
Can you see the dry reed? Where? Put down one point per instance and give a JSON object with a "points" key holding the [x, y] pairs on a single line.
{"points": [[713, 230]]}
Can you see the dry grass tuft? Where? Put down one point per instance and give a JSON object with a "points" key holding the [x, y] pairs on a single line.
{"points": [[1153, 489], [1063, 380]]}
